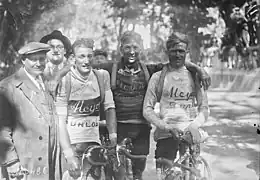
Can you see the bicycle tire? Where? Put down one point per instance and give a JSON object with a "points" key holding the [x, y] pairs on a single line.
{"points": [[206, 173]]}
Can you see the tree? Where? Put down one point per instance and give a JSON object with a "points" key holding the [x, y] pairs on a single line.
{"points": [[121, 12], [16, 20]]}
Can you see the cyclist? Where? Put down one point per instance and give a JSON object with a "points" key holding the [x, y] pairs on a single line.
{"points": [[129, 79], [83, 90], [177, 90]]}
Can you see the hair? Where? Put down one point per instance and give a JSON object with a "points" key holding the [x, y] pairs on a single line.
{"points": [[100, 52], [131, 35], [83, 42], [176, 38]]}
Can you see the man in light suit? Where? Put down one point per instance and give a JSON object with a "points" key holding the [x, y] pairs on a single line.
{"points": [[29, 125]]}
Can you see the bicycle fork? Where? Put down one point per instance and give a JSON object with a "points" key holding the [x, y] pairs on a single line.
{"points": [[187, 163], [184, 163]]}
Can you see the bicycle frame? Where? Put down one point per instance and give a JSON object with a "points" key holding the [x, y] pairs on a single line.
{"points": [[122, 153], [186, 162]]}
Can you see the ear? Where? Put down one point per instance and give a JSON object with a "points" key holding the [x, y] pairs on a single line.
{"points": [[166, 51], [121, 50], [23, 60]]}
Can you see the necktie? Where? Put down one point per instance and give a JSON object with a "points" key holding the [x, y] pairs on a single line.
{"points": [[45, 93], [40, 83]]}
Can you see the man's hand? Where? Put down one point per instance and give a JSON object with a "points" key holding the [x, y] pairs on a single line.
{"points": [[74, 167], [15, 170], [203, 75], [204, 78], [194, 130], [73, 162], [174, 131]]}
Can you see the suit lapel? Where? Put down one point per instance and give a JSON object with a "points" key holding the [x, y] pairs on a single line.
{"points": [[31, 91]]}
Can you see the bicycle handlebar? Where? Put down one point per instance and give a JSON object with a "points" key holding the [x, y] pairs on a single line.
{"points": [[187, 137], [170, 163], [123, 150]]}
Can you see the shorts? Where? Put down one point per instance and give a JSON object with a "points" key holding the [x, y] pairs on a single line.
{"points": [[140, 135], [168, 148]]}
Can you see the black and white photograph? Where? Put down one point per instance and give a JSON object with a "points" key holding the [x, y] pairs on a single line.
{"points": [[129, 89]]}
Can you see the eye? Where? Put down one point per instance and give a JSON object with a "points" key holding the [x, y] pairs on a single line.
{"points": [[42, 58], [127, 48], [90, 56], [136, 48]]}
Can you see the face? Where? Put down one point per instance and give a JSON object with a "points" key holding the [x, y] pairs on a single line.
{"points": [[177, 55], [57, 52], [99, 59], [131, 51], [35, 63], [83, 60]]}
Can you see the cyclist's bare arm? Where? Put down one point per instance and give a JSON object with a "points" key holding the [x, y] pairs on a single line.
{"points": [[109, 106], [111, 121], [150, 101]]}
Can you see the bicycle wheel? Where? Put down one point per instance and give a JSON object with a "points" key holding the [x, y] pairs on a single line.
{"points": [[205, 171]]}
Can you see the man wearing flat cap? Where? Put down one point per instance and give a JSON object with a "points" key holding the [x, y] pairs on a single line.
{"points": [[29, 123], [57, 56]]}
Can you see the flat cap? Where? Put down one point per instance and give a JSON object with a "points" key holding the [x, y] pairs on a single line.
{"points": [[33, 47]]}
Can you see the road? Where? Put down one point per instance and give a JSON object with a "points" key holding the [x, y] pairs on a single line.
{"points": [[233, 149]]}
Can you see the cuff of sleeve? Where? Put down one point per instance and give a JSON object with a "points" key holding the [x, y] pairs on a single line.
{"points": [[7, 163], [10, 155], [109, 101]]}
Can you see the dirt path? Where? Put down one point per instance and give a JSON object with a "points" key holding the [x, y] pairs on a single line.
{"points": [[233, 149]]}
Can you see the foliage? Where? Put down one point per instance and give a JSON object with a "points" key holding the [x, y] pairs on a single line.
{"points": [[105, 20], [176, 15], [17, 18], [121, 12]]}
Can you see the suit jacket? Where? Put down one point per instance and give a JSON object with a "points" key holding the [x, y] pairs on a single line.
{"points": [[28, 128]]}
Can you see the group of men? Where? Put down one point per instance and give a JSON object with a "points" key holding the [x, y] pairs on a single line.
{"points": [[40, 121]]}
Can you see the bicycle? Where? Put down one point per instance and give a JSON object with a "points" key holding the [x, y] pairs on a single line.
{"points": [[125, 157], [186, 167], [96, 157]]}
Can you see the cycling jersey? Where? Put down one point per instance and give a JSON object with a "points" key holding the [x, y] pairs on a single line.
{"points": [[83, 107], [178, 105]]}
